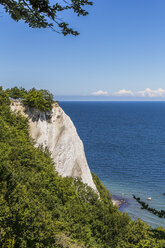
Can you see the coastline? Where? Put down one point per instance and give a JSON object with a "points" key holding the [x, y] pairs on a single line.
{"points": [[119, 202]]}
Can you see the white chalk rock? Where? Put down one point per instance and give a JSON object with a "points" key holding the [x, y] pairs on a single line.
{"points": [[56, 131]]}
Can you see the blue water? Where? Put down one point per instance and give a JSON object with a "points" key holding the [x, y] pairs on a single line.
{"points": [[125, 146]]}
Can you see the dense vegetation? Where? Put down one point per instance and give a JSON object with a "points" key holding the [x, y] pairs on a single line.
{"points": [[39, 209], [39, 99], [16, 93]]}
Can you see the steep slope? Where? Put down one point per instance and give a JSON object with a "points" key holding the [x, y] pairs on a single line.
{"points": [[39, 208], [56, 131]]}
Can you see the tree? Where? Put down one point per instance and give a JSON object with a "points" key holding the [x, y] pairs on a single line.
{"points": [[16, 92], [39, 99], [45, 13], [4, 97]]}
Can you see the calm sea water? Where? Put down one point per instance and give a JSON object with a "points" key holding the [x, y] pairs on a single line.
{"points": [[125, 146]]}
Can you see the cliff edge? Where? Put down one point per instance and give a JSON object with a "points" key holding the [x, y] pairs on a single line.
{"points": [[56, 131]]}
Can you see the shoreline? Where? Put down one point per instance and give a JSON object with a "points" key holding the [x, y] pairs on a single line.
{"points": [[119, 202]]}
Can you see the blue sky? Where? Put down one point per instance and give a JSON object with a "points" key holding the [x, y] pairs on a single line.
{"points": [[119, 55]]}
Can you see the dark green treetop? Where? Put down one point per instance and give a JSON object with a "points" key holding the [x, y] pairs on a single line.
{"points": [[4, 97], [39, 99], [45, 13], [16, 92]]}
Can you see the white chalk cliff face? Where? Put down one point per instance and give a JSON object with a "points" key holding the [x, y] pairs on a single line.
{"points": [[56, 131]]}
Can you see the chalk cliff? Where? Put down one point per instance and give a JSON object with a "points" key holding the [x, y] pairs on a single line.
{"points": [[56, 131]]}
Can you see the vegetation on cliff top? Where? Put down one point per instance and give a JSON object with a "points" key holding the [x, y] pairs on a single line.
{"points": [[38, 208], [39, 99]]}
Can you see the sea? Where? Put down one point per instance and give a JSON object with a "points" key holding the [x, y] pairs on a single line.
{"points": [[124, 144]]}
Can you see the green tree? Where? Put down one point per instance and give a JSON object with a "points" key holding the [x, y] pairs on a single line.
{"points": [[39, 99], [16, 92], [45, 13], [4, 97]]}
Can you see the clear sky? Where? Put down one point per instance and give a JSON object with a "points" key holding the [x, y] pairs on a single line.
{"points": [[120, 53]]}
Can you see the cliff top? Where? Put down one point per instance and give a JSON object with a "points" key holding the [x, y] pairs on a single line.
{"points": [[39, 99]]}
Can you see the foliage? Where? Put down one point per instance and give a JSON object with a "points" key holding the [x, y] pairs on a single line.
{"points": [[4, 97], [140, 235], [16, 92], [38, 208], [39, 99], [45, 13], [104, 193]]}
